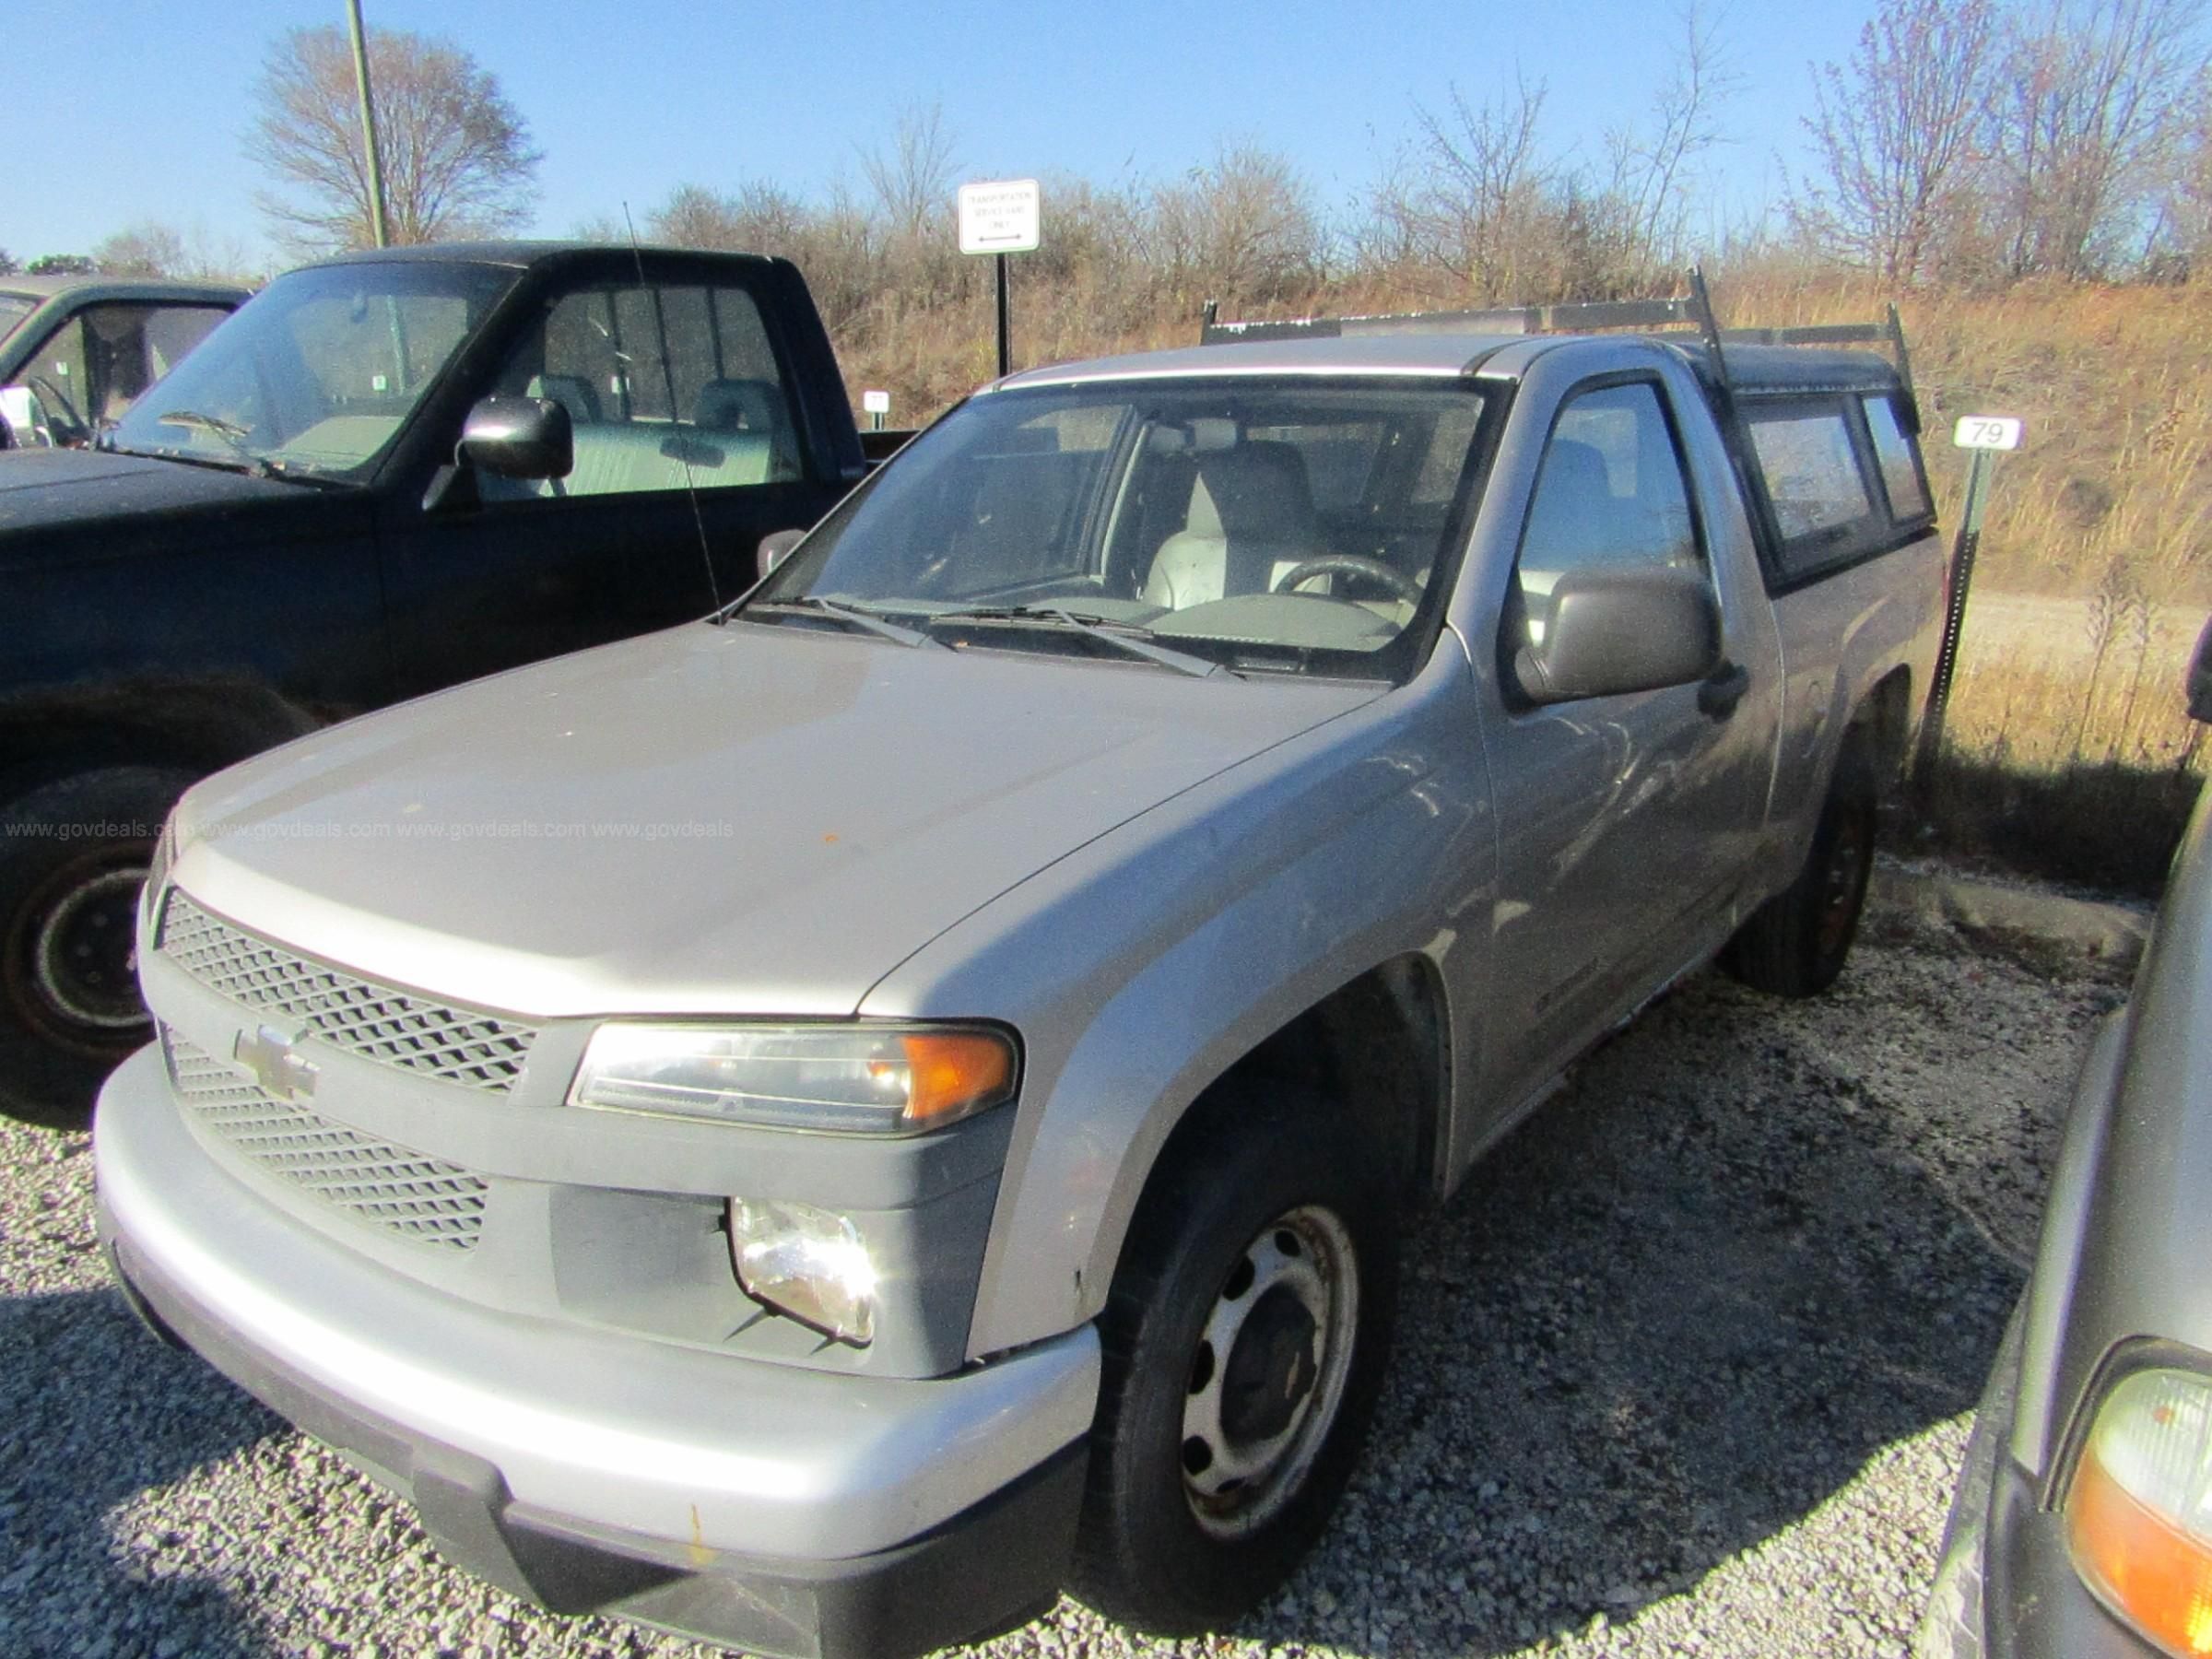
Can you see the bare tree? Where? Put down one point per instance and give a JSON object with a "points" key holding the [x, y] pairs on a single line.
{"points": [[1462, 196], [913, 179], [2097, 95], [1653, 170], [457, 157], [145, 250], [7, 264], [758, 218], [1897, 133], [2186, 212], [1243, 227]]}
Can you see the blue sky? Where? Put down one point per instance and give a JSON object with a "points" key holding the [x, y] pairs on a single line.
{"points": [[135, 109]]}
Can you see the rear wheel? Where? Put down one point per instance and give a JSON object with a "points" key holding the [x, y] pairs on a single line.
{"points": [[1795, 943], [1246, 1338], [73, 859]]}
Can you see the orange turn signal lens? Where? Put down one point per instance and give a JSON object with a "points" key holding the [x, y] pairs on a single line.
{"points": [[952, 1074], [2139, 1519]]}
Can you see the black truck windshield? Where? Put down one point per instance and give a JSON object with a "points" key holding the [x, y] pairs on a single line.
{"points": [[1273, 523], [318, 373]]}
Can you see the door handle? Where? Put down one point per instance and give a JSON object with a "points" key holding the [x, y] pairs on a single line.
{"points": [[1719, 692]]}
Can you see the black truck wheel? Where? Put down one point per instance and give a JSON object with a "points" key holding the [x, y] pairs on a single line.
{"points": [[73, 857], [1794, 945], [1245, 1339]]}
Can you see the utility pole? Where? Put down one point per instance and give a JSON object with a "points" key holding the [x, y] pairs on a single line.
{"points": [[376, 161]]}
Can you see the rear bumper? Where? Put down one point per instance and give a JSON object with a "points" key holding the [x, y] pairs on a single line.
{"points": [[787, 1511]]}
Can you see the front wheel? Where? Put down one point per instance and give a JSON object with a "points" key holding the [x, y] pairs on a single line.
{"points": [[72, 858], [1245, 1341]]}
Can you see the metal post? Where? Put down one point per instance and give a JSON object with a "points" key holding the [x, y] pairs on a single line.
{"points": [[376, 160], [1946, 656], [1006, 321]]}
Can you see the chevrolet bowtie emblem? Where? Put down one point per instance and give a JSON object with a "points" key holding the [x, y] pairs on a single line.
{"points": [[267, 1053]]}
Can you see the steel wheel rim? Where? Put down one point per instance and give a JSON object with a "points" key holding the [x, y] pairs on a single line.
{"points": [[1246, 1451], [84, 957], [1846, 863]]}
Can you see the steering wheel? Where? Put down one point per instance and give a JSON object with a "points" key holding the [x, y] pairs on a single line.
{"points": [[1401, 586]]}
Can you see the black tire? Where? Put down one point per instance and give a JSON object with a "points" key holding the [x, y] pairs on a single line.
{"points": [[1266, 1199], [73, 856], [1794, 945]]}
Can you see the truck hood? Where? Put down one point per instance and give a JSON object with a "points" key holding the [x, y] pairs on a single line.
{"points": [[41, 489], [740, 819]]}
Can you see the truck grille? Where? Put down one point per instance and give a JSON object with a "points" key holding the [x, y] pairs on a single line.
{"points": [[357, 1015], [403, 1192]]}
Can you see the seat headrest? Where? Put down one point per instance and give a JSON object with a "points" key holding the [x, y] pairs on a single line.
{"points": [[739, 405], [571, 391], [1253, 492]]}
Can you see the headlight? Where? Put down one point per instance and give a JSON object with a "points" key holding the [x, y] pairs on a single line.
{"points": [[2139, 1507], [808, 1263], [868, 1079], [156, 869]]}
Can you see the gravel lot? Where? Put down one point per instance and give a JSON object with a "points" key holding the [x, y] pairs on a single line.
{"points": [[1685, 1369]]}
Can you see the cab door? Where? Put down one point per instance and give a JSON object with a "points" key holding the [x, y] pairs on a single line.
{"points": [[686, 454], [1626, 823]]}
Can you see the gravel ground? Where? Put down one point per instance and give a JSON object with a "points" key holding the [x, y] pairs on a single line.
{"points": [[1683, 1368]]}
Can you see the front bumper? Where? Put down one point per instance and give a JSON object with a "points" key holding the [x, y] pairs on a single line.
{"points": [[788, 1512], [2006, 1587]]}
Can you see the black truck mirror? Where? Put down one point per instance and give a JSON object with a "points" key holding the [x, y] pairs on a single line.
{"points": [[520, 438], [1611, 631]]}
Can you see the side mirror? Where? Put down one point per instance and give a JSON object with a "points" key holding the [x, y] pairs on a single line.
{"points": [[776, 547], [520, 438], [1612, 631], [2200, 676]]}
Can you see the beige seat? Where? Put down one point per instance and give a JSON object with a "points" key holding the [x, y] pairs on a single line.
{"points": [[1250, 520]]}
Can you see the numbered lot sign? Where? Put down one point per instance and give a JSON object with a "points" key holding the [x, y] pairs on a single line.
{"points": [[1987, 432]]}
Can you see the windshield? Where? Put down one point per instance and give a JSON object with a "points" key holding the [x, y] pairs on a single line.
{"points": [[319, 371], [14, 308], [1258, 525]]}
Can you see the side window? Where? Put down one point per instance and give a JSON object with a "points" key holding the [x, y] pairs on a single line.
{"points": [[1898, 458], [173, 330], [1610, 492], [666, 385], [1823, 503], [58, 371]]}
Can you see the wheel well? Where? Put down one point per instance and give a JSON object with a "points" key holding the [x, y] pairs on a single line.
{"points": [[1884, 716], [196, 728], [1377, 1046]]}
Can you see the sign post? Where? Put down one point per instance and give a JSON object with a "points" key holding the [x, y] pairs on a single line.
{"points": [[875, 406], [999, 218], [1984, 437]]}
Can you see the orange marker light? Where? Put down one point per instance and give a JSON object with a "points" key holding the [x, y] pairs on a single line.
{"points": [[954, 1073], [2146, 1565]]}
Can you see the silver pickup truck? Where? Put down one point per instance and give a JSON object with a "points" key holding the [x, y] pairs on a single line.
{"points": [[821, 1127]]}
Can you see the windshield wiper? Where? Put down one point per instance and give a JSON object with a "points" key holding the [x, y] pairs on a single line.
{"points": [[850, 615], [1132, 638], [229, 431]]}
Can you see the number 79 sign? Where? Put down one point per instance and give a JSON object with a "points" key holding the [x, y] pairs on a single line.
{"points": [[1986, 432]]}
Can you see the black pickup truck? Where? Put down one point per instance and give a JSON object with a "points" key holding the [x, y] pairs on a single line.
{"points": [[385, 474]]}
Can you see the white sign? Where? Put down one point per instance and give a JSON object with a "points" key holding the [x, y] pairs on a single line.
{"points": [[1000, 217], [1987, 431], [876, 402]]}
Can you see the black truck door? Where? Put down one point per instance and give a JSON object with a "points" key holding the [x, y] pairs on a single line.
{"points": [[686, 454]]}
